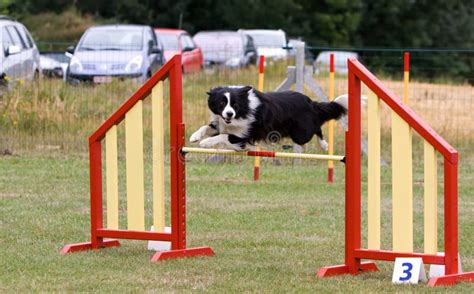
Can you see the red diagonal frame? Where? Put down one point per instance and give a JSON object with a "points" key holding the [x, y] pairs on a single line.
{"points": [[172, 71], [353, 251]]}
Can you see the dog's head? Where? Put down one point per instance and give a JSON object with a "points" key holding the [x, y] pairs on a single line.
{"points": [[230, 102]]}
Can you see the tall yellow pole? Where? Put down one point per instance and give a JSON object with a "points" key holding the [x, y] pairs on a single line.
{"points": [[331, 122], [406, 76], [256, 167]]}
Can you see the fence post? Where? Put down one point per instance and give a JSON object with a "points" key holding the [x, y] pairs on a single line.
{"points": [[299, 86]]}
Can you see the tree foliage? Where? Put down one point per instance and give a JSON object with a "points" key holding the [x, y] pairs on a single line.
{"points": [[388, 23]]}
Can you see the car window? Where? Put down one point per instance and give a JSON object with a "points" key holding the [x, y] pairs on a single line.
{"points": [[268, 40], [188, 41], [15, 36], [170, 41], [6, 39], [112, 39], [250, 45], [182, 42], [26, 37], [151, 37]]}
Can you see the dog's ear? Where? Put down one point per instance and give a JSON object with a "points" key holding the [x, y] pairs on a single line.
{"points": [[245, 89], [213, 90]]}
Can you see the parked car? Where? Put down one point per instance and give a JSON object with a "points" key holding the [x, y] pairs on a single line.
{"points": [[54, 64], [231, 49], [19, 59], [321, 63], [124, 51], [273, 44], [179, 42]]}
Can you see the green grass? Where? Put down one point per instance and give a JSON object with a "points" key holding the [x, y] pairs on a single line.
{"points": [[269, 236]]}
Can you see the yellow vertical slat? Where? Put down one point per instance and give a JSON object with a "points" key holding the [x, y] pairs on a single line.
{"points": [[111, 173], [134, 165], [373, 177], [406, 81], [402, 187], [430, 200], [158, 158]]}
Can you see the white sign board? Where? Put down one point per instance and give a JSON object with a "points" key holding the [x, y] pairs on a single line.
{"points": [[408, 270]]}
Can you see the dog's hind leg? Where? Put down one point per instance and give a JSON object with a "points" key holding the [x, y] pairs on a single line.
{"points": [[324, 145]]}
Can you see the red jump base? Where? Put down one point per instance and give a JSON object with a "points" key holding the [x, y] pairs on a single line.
{"points": [[182, 253], [70, 248], [343, 269], [451, 279]]}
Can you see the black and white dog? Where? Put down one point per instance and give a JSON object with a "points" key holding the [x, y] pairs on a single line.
{"points": [[242, 116]]}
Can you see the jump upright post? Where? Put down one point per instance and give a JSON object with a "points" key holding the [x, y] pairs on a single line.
{"points": [[261, 72], [331, 122], [131, 112], [402, 241]]}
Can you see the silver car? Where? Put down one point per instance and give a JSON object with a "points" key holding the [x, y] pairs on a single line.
{"points": [[231, 49], [19, 59], [124, 51]]}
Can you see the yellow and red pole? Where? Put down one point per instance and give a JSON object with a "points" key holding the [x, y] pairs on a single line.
{"points": [[331, 122], [256, 167], [406, 76]]}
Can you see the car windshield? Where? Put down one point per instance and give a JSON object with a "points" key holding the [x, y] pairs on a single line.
{"points": [[59, 57], [219, 42], [170, 41], [112, 39], [268, 40]]}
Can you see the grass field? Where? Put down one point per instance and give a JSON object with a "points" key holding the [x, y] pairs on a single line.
{"points": [[269, 236], [54, 115]]}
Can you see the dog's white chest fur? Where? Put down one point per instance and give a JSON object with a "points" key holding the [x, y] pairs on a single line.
{"points": [[238, 127]]}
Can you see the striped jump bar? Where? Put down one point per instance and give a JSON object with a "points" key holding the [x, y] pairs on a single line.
{"points": [[263, 153]]}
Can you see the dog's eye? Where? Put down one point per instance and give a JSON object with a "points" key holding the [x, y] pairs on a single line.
{"points": [[235, 106], [223, 103]]}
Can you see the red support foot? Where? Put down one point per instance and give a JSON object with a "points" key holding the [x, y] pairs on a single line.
{"points": [[342, 269], [451, 279], [88, 246], [182, 253]]}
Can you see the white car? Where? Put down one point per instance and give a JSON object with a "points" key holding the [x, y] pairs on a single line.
{"points": [[54, 64], [273, 44], [19, 59], [321, 64]]}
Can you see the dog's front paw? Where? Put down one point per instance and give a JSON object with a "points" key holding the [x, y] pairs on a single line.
{"points": [[208, 143], [198, 135]]}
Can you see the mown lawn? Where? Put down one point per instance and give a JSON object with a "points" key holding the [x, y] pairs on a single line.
{"points": [[269, 236]]}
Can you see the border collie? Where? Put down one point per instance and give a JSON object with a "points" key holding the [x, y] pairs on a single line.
{"points": [[242, 116]]}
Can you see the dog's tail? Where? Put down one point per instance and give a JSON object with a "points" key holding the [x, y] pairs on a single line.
{"points": [[335, 109]]}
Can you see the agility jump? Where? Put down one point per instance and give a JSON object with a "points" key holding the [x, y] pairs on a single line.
{"points": [[407, 121]]}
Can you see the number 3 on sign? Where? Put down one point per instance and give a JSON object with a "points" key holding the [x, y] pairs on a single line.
{"points": [[408, 270]]}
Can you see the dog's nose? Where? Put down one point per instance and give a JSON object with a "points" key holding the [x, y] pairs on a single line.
{"points": [[229, 114]]}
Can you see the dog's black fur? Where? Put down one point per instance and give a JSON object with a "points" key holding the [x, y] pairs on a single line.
{"points": [[253, 116]]}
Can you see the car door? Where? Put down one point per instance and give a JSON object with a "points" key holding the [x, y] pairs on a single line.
{"points": [[31, 52], [22, 56], [189, 53], [11, 64], [153, 58]]}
